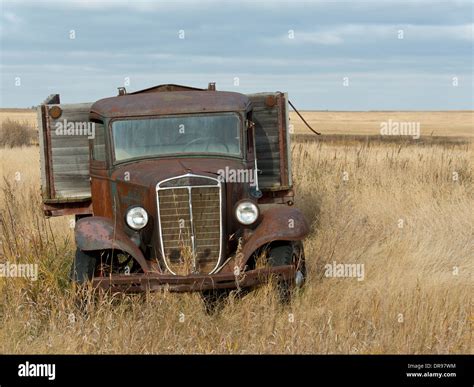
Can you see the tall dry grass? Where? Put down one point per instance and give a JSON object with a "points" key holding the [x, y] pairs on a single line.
{"points": [[14, 133], [411, 300]]}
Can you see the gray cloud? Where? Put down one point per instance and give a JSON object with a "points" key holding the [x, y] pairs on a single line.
{"points": [[140, 40]]}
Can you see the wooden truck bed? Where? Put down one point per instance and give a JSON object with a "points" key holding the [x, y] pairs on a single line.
{"points": [[65, 180]]}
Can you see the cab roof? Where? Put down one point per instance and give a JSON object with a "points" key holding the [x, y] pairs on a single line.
{"points": [[166, 103]]}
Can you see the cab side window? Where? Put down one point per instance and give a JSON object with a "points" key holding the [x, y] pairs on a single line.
{"points": [[98, 142]]}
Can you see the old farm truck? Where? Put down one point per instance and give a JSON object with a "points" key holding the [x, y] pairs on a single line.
{"points": [[175, 187]]}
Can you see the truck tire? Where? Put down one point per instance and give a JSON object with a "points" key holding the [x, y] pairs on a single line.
{"points": [[287, 253], [83, 267]]}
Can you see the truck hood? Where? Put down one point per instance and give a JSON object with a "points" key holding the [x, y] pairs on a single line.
{"points": [[148, 173], [134, 184]]}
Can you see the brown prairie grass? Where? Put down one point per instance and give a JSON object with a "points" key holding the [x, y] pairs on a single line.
{"points": [[454, 123], [403, 210]]}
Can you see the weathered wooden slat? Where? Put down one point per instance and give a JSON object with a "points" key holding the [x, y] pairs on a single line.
{"points": [[266, 126], [42, 147], [75, 151], [68, 183], [267, 155], [268, 163], [269, 147], [70, 142], [270, 172], [82, 190], [270, 129], [258, 99], [72, 178], [60, 160], [81, 168], [265, 133], [268, 178], [266, 139], [259, 102], [69, 169], [73, 111], [265, 115], [269, 182], [72, 193], [73, 141]]}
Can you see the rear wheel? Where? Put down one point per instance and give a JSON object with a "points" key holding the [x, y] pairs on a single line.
{"points": [[288, 253]]}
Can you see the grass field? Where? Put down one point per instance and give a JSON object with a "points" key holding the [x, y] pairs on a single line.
{"points": [[21, 115], [452, 123], [401, 208]]}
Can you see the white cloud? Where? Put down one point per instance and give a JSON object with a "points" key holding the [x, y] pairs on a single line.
{"points": [[10, 23], [10, 17], [137, 5], [370, 32]]}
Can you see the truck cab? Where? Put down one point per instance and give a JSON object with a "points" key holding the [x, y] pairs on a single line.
{"points": [[175, 187]]}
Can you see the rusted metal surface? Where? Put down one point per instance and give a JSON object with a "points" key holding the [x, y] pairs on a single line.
{"points": [[47, 152], [116, 187], [55, 112], [134, 184], [284, 178], [178, 102], [98, 233], [75, 208], [166, 88], [101, 188], [270, 101], [52, 99], [135, 283], [278, 197], [279, 223]]}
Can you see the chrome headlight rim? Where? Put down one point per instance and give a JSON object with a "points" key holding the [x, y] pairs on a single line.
{"points": [[239, 207], [132, 212]]}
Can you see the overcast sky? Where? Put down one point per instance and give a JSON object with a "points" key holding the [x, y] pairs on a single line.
{"points": [[336, 55]]}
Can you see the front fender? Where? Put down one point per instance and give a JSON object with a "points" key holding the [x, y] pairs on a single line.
{"points": [[99, 233], [278, 224]]}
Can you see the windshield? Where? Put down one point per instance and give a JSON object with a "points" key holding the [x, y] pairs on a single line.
{"points": [[208, 134]]}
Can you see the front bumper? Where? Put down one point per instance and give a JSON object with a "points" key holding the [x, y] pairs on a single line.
{"points": [[137, 283]]}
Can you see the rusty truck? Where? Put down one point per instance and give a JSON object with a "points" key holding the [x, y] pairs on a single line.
{"points": [[175, 187]]}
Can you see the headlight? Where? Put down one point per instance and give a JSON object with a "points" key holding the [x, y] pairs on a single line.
{"points": [[246, 213], [137, 218]]}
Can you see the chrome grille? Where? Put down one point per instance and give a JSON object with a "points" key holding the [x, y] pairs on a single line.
{"points": [[190, 224]]}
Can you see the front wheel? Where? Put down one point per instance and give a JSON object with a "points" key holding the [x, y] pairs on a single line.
{"points": [[288, 253], [83, 267]]}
